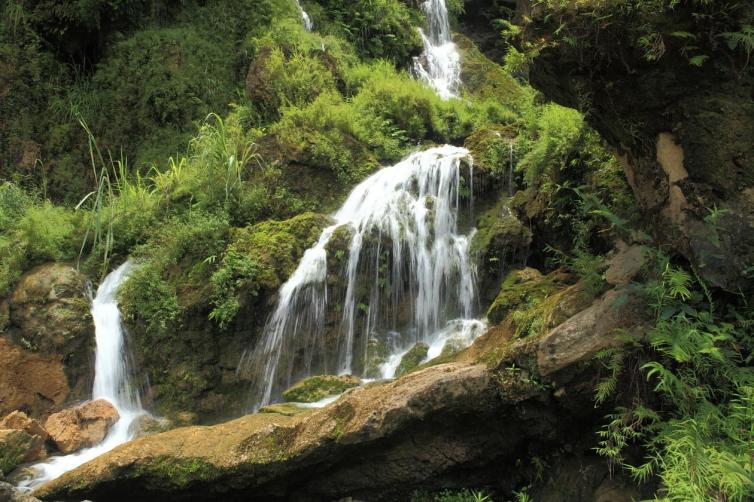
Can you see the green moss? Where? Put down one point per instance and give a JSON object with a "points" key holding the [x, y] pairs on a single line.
{"points": [[259, 259], [486, 80], [316, 388], [520, 289], [176, 472], [411, 359], [14, 445]]}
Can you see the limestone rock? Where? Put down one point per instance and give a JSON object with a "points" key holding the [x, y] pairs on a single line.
{"points": [[87, 425], [147, 425], [49, 314], [15, 447], [606, 323], [19, 421], [29, 381], [394, 421], [316, 388], [625, 265]]}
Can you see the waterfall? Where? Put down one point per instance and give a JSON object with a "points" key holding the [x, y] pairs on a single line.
{"points": [[305, 19], [406, 276], [111, 381], [440, 64]]}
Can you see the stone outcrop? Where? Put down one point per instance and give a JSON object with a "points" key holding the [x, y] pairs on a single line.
{"points": [[48, 315], [32, 382], [448, 425], [81, 427], [682, 131], [607, 323]]}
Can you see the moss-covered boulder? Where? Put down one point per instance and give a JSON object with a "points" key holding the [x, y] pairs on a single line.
{"points": [[14, 448], [519, 288], [316, 388], [412, 359]]}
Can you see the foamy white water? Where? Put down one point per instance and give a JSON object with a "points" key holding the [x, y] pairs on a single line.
{"points": [[111, 382], [440, 63], [408, 211], [305, 19]]}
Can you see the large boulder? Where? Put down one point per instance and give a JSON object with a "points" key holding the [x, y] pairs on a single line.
{"points": [[48, 313], [29, 381], [607, 323], [81, 427]]}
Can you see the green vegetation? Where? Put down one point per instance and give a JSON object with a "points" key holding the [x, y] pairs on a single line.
{"points": [[696, 424], [316, 388]]}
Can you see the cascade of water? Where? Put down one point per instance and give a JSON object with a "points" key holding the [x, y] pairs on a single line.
{"points": [[111, 381], [305, 19], [407, 273], [440, 64]]}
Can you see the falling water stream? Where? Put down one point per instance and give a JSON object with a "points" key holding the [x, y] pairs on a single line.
{"points": [[111, 382], [440, 64], [407, 278], [305, 19]]}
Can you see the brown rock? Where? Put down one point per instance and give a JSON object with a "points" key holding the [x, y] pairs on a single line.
{"points": [[625, 265], [48, 313], [81, 427], [19, 421], [29, 381], [606, 323]]}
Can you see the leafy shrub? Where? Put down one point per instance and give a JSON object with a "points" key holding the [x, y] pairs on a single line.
{"points": [[699, 432]]}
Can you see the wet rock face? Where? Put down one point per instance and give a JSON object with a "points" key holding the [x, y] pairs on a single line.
{"points": [[82, 427], [682, 132], [29, 381], [48, 314]]}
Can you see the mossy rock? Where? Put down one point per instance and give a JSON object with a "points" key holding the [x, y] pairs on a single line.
{"points": [[14, 446], [412, 359], [520, 288], [316, 388]]}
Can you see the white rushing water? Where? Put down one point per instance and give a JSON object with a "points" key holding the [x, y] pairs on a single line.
{"points": [[407, 273], [305, 19], [440, 63], [111, 382]]}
